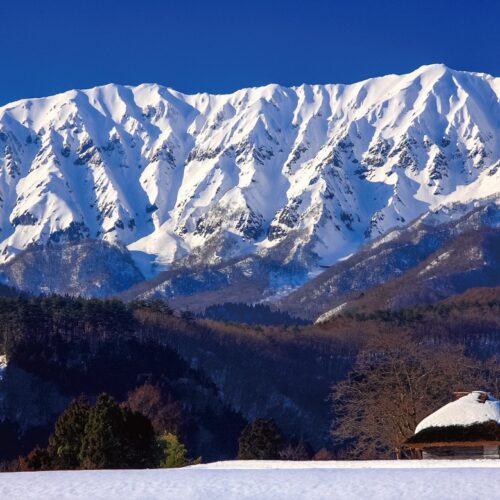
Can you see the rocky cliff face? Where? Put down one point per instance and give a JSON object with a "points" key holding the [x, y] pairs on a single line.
{"points": [[302, 175]]}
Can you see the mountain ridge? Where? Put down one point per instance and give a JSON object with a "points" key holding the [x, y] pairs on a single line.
{"points": [[438, 65], [303, 175]]}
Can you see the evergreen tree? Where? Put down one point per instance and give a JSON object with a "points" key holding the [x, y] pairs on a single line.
{"points": [[173, 453], [116, 437], [260, 440], [101, 445], [138, 440], [65, 442]]}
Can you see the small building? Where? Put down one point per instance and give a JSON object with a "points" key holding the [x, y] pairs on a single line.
{"points": [[466, 428]]}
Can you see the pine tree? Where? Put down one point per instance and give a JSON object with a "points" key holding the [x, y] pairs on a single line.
{"points": [[116, 437], [102, 442], [138, 440], [260, 440], [66, 440], [173, 452]]}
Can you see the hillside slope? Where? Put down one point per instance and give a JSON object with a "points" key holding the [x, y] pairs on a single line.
{"points": [[471, 260], [397, 254]]}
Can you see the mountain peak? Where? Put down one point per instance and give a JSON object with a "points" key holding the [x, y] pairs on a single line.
{"points": [[304, 174], [434, 68]]}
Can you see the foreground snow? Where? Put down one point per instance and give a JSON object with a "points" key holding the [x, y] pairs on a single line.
{"points": [[441, 479]]}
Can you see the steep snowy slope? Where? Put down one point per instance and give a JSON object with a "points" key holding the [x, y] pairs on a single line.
{"points": [[304, 175]]}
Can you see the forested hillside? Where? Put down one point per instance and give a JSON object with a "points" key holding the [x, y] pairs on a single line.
{"points": [[58, 348], [221, 374]]}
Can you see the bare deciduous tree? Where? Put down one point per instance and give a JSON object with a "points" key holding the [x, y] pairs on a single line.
{"points": [[395, 383], [165, 414]]}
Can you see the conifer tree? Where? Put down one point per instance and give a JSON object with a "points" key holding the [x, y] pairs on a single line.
{"points": [[173, 452], [101, 446], [116, 437], [65, 442], [260, 440], [138, 440]]}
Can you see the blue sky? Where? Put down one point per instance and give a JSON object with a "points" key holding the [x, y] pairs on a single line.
{"points": [[219, 46]]}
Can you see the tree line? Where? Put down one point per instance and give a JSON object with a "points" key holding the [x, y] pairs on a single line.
{"points": [[108, 435], [142, 433], [384, 370]]}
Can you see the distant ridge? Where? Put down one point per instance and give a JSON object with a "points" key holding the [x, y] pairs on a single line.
{"points": [[302, 176]]}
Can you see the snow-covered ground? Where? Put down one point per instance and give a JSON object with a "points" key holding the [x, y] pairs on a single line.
{"points": [[417, 479]]}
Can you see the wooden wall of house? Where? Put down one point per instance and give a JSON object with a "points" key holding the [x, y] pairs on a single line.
{"points": [[491, 451], [461, 452]]}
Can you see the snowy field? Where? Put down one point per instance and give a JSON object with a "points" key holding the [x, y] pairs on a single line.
{"points": [[472, 479]]}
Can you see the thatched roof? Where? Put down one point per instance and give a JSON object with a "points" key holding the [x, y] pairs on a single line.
{"points": [[479, 434], [473, 408]]}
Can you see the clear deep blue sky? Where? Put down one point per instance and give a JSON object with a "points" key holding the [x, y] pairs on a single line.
{"points": [[48, 46]]}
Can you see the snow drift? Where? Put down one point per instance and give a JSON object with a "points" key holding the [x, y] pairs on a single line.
{"points": [[382, 480]]}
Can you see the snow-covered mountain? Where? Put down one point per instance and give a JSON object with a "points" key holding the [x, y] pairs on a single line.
{"points": [[441, 253], [87, 267], [305, 174]]}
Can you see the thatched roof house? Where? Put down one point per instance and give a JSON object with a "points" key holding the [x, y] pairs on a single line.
{"points": [[466, 428]]}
